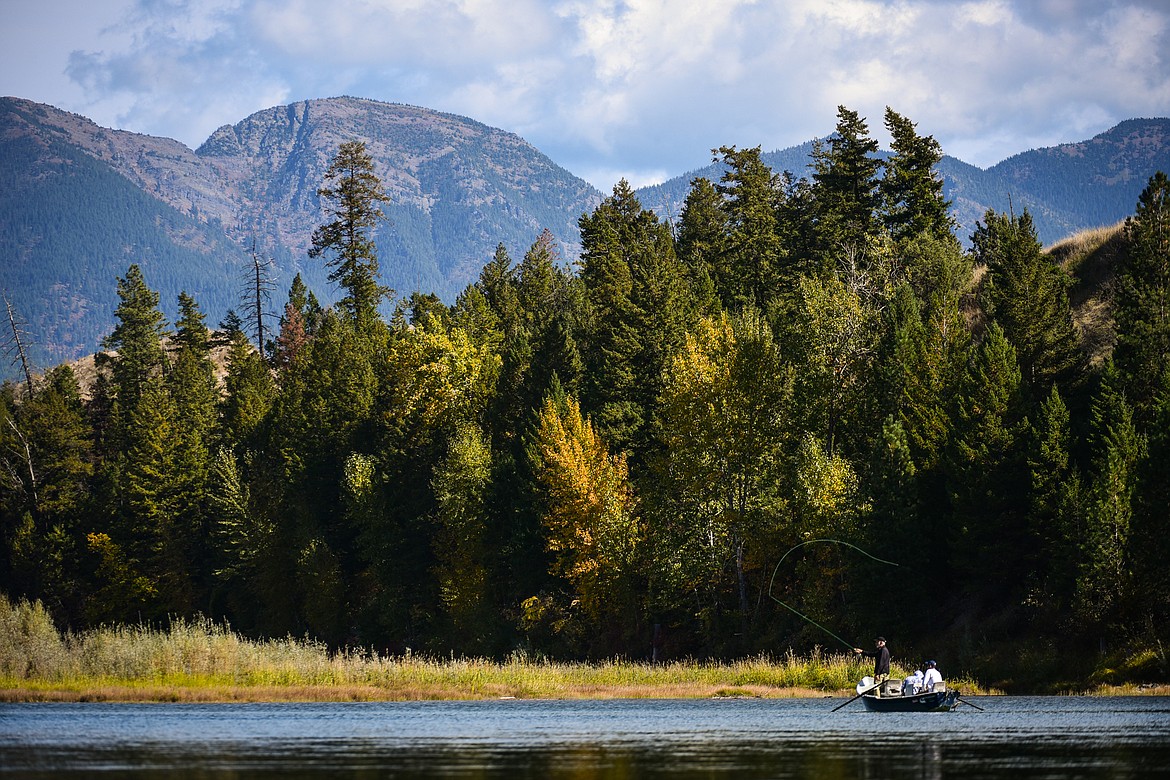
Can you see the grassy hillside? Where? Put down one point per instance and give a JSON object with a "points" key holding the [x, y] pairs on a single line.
{"points": [[1092, 258]]}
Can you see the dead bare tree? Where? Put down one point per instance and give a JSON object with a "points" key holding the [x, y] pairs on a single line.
{"points": [[256, 295], [14, 344]]}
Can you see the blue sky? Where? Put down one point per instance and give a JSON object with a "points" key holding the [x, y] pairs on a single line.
{"points": [[642, 89]]}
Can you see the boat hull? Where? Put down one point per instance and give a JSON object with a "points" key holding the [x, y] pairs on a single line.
{"points": [[937, 701]]}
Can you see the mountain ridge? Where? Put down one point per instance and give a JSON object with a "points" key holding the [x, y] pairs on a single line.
{"points": [[72, 207], [458, 188], [1085, 198]]}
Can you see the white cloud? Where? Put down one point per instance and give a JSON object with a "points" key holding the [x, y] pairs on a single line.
{"points": [[607, 86]]}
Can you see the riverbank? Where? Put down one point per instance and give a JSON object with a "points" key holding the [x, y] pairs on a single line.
{"points": [[203, 661], [219, 693]]}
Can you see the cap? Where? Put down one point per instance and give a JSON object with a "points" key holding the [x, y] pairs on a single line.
{"points": [[931, 663], [880, 639]]}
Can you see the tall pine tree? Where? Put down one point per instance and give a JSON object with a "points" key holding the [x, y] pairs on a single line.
{"points": [[353, 192]]}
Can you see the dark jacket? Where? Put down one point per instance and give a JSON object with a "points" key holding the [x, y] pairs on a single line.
{"points": [[881, 656]]}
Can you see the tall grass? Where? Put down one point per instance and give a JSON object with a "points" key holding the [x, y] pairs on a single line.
{"points": [[1072, 250], [201, 660]]}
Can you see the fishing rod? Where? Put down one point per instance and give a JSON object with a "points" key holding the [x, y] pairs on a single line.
{"points": [[795, 611]]}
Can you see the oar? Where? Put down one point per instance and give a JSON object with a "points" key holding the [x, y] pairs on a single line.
{"points": [[855, 698], [969, 704]]}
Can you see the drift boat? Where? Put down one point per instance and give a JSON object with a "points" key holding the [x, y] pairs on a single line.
{"points": [[892, 699]]}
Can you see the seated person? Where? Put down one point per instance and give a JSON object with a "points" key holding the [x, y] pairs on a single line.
{"points": [[932, 677], [913, 684]]}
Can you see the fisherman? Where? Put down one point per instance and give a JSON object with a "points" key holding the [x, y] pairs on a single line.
{"points": [[881, 661], [933, 677], [913, 684]]}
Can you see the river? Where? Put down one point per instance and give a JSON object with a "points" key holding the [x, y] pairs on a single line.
{"points": [[1024, 737]]}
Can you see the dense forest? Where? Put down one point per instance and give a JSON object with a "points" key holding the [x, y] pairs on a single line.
{"points": [[636, 452]]}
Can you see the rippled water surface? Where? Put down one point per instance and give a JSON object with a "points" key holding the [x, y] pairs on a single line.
{"points": [[1032, 737]]}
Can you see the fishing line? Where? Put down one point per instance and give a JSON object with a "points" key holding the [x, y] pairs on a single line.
{"points": [[797, 612]]}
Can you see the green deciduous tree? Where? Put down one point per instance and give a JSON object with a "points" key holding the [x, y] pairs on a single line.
{"points": [[719, 488], [839, 332], [462, 487]]}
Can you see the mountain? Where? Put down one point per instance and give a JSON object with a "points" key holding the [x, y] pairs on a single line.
{"points": [[79, 203], [1067, 188], [71, 222]]}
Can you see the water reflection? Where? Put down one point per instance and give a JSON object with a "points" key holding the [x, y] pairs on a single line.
{"points": [[1016, 737]]}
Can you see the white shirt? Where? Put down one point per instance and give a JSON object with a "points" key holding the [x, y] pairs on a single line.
{"points": [[932, 677]]}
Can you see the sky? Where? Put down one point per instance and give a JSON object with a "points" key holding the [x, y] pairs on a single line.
{"points": [[641, 89]]}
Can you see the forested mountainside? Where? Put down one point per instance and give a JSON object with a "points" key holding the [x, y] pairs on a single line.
{"points": [[1066, 188], [80, 201], [70, 223], [808, 399]]}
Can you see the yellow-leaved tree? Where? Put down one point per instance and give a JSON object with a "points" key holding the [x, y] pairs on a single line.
{"points": [[590, 516]]}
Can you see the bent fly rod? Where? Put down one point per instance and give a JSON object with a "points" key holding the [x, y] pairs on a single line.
{"points": [[797, 612]]}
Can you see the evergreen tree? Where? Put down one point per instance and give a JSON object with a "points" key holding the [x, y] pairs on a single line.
{"points": [[47, 463], [845, 186], [987, 484], [248, 393], [911, 191], [497, 282], [149, 532], [548, 302], [1027, 294], [750, 267], [353, 194], [897, 513], [1106, 571], [192, 386], [699, 244], [540, 308], [1142, 299], [302, 316], [637, 309], [136, 341], [1151, 520], [915, 378], [1053, 508], [252, 577]]}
